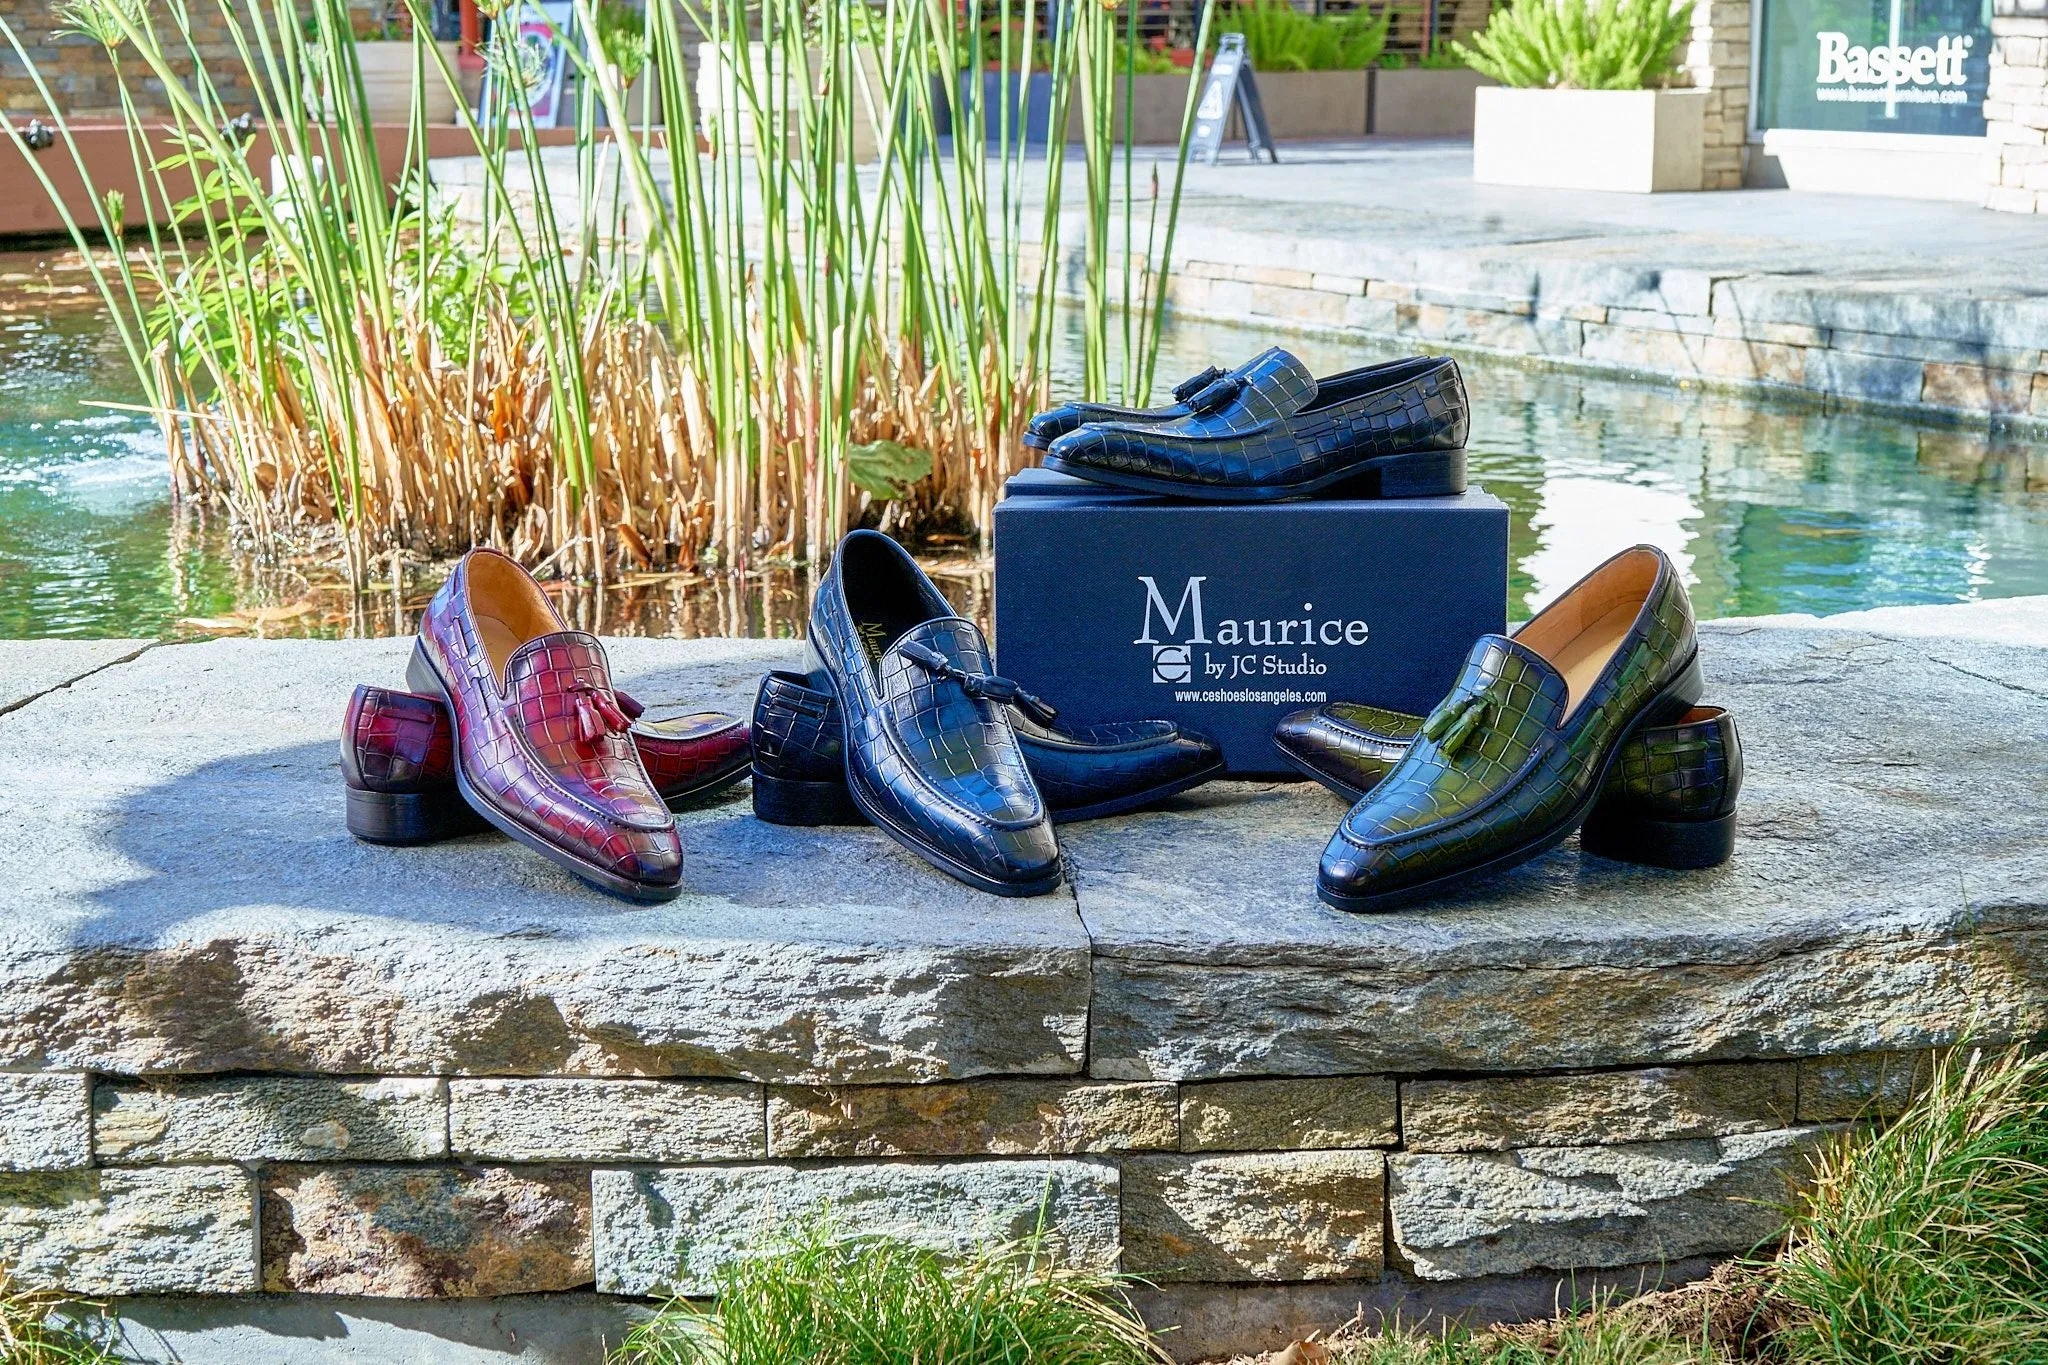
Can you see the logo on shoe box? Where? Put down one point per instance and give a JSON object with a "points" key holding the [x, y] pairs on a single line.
{"points": [[1193, 642]]}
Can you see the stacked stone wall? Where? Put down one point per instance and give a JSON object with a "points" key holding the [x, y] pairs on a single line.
{"points": [[455, 1187], [2016, 108], [1716, 60]]}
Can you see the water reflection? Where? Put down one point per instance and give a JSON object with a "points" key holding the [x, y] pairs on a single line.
{"points": [[1768, 507]]}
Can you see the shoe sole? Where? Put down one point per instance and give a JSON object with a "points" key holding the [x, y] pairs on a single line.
{"points": [[424, 677], [1411, 474], [1676, 697]]}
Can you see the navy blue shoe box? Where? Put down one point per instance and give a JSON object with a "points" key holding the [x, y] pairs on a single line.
{"points": [[1115, 605]]}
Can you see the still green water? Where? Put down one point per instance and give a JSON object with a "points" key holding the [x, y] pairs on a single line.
{"points": [[1768, 507]]}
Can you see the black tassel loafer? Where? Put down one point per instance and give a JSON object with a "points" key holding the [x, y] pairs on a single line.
{"points": [[1515, 758], [930, 754], [1271, 430], [1669, 800], [1084, 773]]}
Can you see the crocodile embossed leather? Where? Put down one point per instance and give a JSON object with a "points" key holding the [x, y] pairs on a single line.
{"points": [[930, 757], [1513, 760], [1084, 772], [541, 749], [400, 747], [1271, 430], [1667, 785]]}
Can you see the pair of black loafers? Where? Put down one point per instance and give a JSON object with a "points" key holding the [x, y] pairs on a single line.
{"points": [[900, 720], [1269, 430]]}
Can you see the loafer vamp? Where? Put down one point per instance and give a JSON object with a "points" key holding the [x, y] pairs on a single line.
{"points": [[961, 747], [1349, 743]]}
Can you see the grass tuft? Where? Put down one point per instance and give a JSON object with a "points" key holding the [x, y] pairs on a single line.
{"points": [[819, 1299], [39, 1327], [1928, 1242]]}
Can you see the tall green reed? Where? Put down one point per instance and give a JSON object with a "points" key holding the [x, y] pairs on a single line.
{"points": [[671, 344]]}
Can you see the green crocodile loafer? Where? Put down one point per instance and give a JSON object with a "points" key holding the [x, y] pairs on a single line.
{"points": [[1669, 800], [1514, 759]]}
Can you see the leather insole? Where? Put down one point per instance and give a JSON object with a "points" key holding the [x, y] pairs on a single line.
{"points": [[1580, 632], [1584, 656], [510, 609]]}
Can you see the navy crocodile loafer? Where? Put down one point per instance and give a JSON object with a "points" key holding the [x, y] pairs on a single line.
{"points": [[1514, 759], [1272, 430], [931, 757], [1669, 799], [1084, 772]]}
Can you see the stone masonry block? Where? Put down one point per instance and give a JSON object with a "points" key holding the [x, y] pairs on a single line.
{"points": [[1310, 1113], [45, 1121], [1501, 1113], [270, 1119], [663, 1231], [1457, 1217], [1339, 284], [1876, 378], [170, 1230], [981, 1118], [2010, 199], [1290, 304], [1283, 276], [1862, 1085], [420, 1232], [1264, 1216], [1975, 388], [567, 1119]]}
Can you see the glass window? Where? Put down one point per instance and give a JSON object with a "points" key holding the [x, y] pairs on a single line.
{"points": [[1874, 66]]}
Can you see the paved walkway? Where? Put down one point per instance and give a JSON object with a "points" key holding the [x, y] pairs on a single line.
{"points": [[1921, 306]]}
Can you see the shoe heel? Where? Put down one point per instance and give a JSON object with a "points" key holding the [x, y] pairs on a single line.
{"points": [[787, 801], [410, 817], [1425, 474], [1611, 832]]}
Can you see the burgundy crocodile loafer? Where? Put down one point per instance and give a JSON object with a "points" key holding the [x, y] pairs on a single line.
{"points": [[541, 747], [398, 763]]}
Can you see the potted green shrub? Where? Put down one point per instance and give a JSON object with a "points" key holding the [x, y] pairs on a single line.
{"points": [[1581, 102]]}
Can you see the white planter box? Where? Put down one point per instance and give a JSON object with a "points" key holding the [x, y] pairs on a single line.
{"points": [[1635, 141]]}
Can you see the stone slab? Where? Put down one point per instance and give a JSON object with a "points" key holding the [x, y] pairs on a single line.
{"points": [[1498, 1113], [181, 896], [1213, 1322], [169, 1230], [1867, 1085], [330, 1329], [1885, 893], [1456, 1217], [425, 1232], [1296, 1114], [299, 1118], [996, 1118], [30, 668], [45, 1121], [668, 1231], [562, 1119], [1233, 1217]]}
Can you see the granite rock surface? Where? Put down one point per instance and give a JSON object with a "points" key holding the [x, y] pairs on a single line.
{"points": [[1456, 1217], [181, 896], [165, 1230], [1255, 1216], [668, 1231]]}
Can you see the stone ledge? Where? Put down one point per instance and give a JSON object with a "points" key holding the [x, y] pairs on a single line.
{"points": [[184, 900]]}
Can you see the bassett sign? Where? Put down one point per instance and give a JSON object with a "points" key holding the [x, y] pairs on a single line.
{"points": [[1878, 66]]}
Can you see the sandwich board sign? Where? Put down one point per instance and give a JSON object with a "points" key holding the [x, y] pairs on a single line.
{"points": [[1231, 85]]}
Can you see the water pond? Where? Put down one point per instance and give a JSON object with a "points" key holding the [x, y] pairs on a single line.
{"points": [[1769, 507]]}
